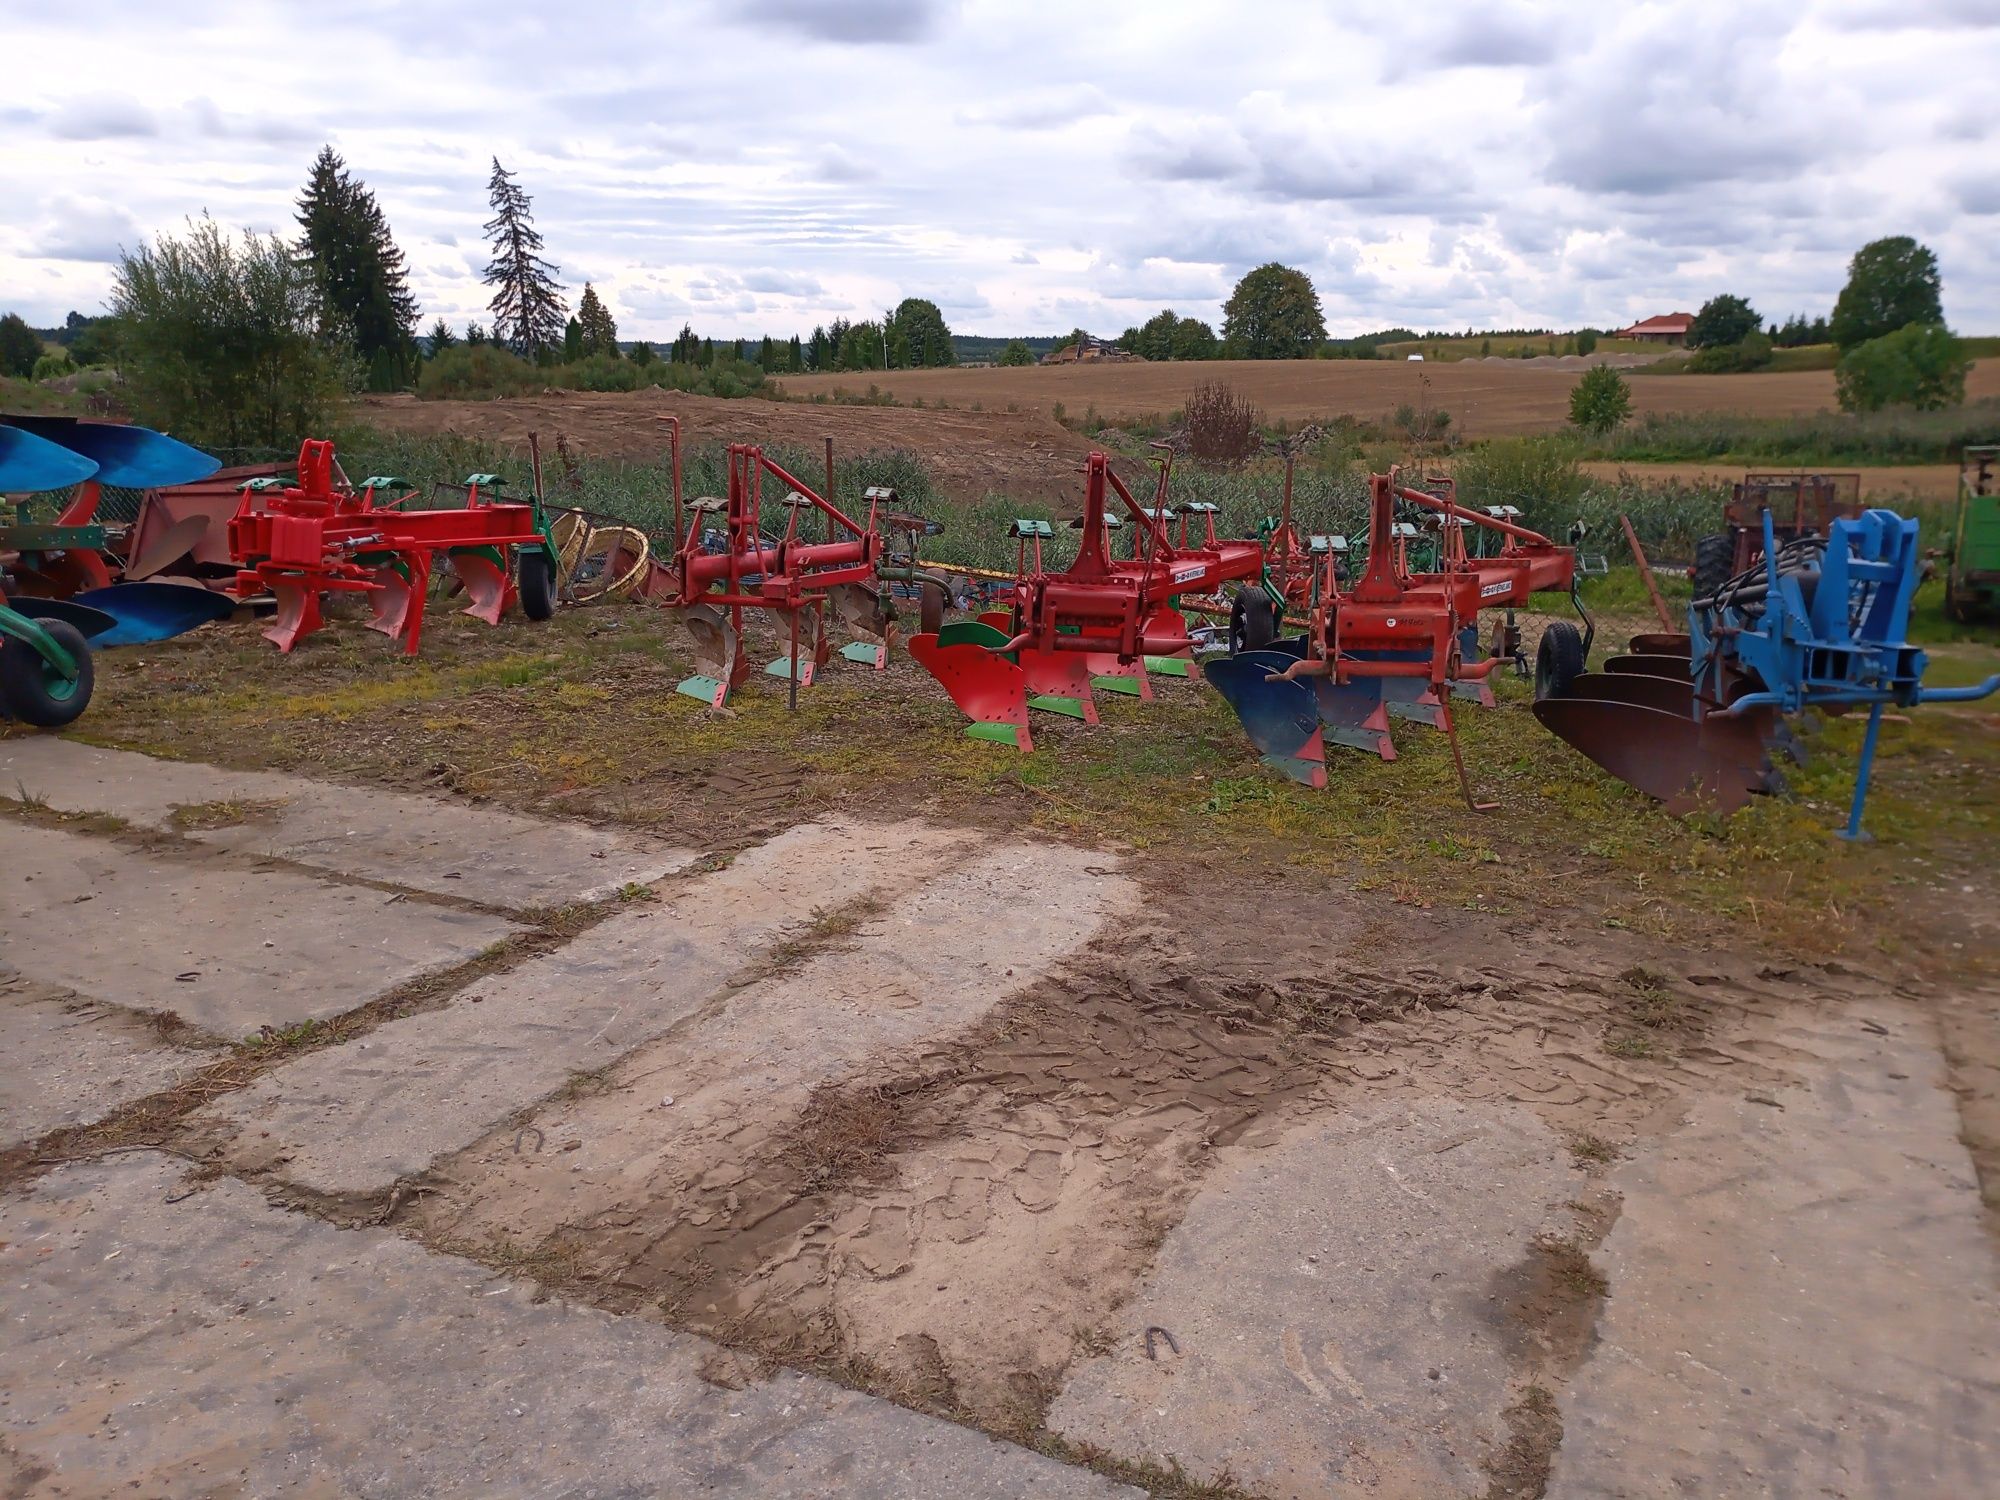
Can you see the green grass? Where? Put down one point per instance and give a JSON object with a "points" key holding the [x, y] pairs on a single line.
{"points": [[1827, 438]]}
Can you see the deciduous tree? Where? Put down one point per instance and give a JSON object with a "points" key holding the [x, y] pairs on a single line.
{"points": [[1726, 319], [1919, 365], [1891, 283], [1600, 401], [20, 346], [1274, 313]]}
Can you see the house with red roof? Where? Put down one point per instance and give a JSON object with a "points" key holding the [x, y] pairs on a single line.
{"points": [[1668, 328]]}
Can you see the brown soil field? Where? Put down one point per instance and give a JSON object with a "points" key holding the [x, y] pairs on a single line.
{"points": [[1485, 400], [967, 453], [1937, 482]]}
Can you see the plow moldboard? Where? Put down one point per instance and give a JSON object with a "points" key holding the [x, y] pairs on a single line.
{"points": [[1281, 717], [1650, 664], [1661, 643], [989, 689], [154, 611], [1715, 763]]}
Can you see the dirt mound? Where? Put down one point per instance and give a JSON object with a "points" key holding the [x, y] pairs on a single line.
{"points": [[969, 454]]}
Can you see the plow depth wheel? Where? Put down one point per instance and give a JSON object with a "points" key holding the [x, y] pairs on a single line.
{"points": [[34, 690]]}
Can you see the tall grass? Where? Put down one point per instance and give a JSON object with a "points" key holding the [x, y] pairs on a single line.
{"points": [[1825, 439]]}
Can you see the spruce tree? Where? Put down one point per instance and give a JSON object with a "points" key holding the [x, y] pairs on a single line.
{"points": [[600, 333], [442, 338], [474, 334], [572, 341], [362, 280], [527, 306], [686, 348]]}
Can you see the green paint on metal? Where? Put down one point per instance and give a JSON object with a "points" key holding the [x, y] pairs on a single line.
{"points": [[1169, 666], [861, 651], [782, 666], [34, 536], [1049, 703], [704, 688], [972, 633], [54, 657], [1127, 686], [999, 734]]}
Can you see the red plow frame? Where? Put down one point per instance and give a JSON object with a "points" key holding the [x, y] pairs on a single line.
{"points": [[1395, 639], [793, 576], [319, 536], [1096, 623]]}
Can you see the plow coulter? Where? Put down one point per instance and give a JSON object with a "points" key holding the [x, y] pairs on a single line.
{"points": [[726, 562], [1697, 720], [1100, 624], [322, 536], [1397, 644]]}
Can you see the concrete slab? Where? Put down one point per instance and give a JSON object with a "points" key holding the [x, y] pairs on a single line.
{"points": [[1333, 1299], [425, 843], [1803, 1295], [256, 947], [221, 1346], [72, 1060], [711, 1096], [353, 1119]]}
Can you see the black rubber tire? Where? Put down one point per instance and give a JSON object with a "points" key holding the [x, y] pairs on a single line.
{"points": [[27, 692], [1714, 563], [1253, 620], [537, 583], [932, 597], [1558, 660]]}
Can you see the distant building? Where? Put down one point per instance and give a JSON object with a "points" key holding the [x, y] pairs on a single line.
{"points": [[1092, 351], [1668, 328]]}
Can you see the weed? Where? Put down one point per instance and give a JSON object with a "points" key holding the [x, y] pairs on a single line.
{"points": [[633, 890], [1592, 1150]]}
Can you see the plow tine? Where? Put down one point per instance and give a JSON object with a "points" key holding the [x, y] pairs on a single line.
{"points": [[989, 689], [485, 583], [1458, 760], [1717, 762], [1281, 718], [297, 616]]}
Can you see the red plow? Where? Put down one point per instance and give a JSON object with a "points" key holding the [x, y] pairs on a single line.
{"points": [[1101, 622], [1396, 642], [323, 536]]}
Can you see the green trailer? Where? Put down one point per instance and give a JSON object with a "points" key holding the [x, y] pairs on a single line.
{"points": [[1972, 581]]}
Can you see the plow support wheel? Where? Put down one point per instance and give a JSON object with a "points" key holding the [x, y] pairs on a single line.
{"points": [[989, 689], [1281, 718]]}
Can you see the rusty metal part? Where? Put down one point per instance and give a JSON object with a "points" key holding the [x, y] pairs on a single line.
{"points": [[1646, 572]]}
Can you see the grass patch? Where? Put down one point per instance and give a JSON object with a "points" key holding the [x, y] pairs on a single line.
{"points": [[226, 813]]}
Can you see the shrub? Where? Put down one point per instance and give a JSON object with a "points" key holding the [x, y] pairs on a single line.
{"points": [[1221, 425], [54, 366], [1017, 352], [1601, 400], [476, 372], [1529, 472], [1919, 365], [1586, 341], [1751, 352], [20, 345]]}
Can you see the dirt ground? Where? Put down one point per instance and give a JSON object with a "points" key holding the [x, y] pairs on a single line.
{"points": [[1485, 399], [968, 453], [1121, 1101]]}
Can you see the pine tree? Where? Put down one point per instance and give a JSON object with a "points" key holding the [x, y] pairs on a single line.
{"points": [[600, 333], [527, 305], [362, 280], [442, 338], [686, 348], [474, 334]]}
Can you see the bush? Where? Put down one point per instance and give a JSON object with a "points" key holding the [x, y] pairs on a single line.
{"points": [[219, 340], [1586, 341], [1528, 472], [1221, 425], [1919, 365], [1601, 400], [54, 366], [476, 372], [1017, 352], [1752, 352], [20, 345]]}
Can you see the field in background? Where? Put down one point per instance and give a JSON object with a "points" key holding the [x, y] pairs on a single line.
{"points": [[1485, 399]]}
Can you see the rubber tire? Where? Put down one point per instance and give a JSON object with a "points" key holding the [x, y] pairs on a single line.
{"points": [[1558, 660], [1253, 620], [25, 693], [537, 583], [932, 597], [1714, 563]]}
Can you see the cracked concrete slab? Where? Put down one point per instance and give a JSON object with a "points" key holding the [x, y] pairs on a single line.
{"points": [[424, 843], [353, 1119], [227, 950], [219, 1345], [1803, 1294], [72, 1060], [1333, 1296]]}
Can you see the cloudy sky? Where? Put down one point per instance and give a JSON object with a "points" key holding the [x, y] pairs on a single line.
{"points": [[757, 166]]}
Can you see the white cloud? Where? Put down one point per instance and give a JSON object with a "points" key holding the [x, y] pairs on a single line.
{"points": [[760, 166]]}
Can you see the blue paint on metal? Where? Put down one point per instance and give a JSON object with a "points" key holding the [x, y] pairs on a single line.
{"points": [[30, 464], [147, 612], [136, 458]]}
